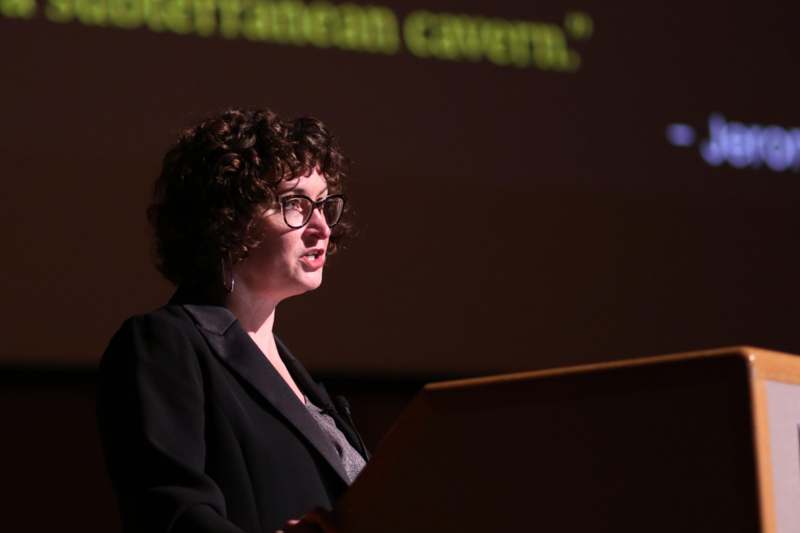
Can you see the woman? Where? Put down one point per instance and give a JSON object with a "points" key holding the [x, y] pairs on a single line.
{"points": [[208, 421]]}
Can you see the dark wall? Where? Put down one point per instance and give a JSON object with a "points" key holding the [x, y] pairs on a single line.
{"points": [[537, 184]]}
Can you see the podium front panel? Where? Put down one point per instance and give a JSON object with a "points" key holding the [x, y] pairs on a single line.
{"points": [[649, 447]]}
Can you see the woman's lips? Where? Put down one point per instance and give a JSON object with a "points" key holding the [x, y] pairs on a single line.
{"points": [[313, 260]]}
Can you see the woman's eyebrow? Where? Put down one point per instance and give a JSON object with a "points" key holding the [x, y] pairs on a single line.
{"points": [[300, 190]]}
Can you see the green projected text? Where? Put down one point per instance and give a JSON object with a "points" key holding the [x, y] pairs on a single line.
{"points": [[350, 27]]}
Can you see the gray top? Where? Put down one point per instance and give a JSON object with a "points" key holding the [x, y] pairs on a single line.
{"points": [[351, 459]]}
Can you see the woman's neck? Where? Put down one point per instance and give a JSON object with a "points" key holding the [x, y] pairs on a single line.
{"points": [[255, 312]]}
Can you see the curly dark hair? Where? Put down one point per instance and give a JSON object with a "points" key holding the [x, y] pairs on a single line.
{"points": [[217, 178]]}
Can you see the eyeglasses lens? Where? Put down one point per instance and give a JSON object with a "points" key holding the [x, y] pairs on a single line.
{"points": [[297, 211], [332, 209]]}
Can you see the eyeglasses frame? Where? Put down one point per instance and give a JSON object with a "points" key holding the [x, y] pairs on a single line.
{"points": [[317, 205]]}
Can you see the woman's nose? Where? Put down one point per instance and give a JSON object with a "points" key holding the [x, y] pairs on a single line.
{"points": [[317, 223]]}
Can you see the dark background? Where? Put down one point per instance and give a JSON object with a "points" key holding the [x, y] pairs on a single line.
{"points": [[510, 218]]}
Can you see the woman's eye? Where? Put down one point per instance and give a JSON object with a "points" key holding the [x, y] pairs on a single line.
{"points": [[295, 204]]}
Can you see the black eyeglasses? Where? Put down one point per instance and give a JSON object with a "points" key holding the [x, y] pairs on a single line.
{"points": [[297, 209]]}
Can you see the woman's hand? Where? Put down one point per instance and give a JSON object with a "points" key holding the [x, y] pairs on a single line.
{"points": [[317, 521]]}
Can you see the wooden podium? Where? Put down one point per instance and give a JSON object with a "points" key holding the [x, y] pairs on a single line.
{"points": [[697, 442]]}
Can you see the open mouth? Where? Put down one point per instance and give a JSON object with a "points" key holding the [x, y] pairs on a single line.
{"points": [[314, 259], [314, 254]]}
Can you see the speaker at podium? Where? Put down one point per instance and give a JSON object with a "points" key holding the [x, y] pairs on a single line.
{"points": [[697, 442]]}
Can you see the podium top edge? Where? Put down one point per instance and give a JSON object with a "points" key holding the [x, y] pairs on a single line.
{"points": [[753, 356]]}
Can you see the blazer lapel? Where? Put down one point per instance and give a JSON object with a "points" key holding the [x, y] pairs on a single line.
{"points": [[319, 395], [238, 351]]}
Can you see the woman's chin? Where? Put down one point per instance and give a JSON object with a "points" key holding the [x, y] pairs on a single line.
{"points": [[311, 281]]}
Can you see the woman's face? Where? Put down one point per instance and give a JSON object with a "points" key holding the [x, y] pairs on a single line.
{"points": [[288, 261]]}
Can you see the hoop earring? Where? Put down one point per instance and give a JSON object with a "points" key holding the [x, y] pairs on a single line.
{"points": [[225, 284]]}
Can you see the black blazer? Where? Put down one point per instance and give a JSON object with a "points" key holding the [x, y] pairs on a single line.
{"points": [[201, 434]]}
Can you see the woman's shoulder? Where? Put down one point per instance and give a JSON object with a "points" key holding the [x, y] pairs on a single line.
{"points": [[168, 319], [158, 354], [176, 327], [182, 317], [168, 333]]}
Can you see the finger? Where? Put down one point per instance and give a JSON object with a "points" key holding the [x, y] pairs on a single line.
{"points": [[322, 518], [302, 527]]}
